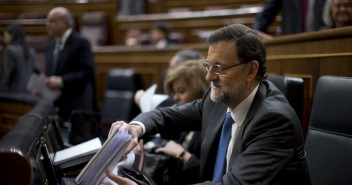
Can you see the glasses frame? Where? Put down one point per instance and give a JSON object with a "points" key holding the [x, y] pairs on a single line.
{"points": [[218, 68]]}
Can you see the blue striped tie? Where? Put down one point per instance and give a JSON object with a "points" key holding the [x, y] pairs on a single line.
{"points": [[220, 164]]}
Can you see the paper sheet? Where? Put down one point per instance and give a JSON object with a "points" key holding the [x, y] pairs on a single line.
{"points": [[37, 84], [73, 154], [150, 100]]}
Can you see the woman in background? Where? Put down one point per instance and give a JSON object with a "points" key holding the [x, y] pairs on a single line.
{"points": [[184, 84], [18, 62], [337, 13]]}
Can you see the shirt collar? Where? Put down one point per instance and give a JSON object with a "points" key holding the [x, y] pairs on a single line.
{"points": [[65, 37], [239, 113], [161, 44]]}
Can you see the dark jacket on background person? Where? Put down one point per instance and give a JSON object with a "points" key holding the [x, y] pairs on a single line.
{"points": [[16, 69], [77, 69]]}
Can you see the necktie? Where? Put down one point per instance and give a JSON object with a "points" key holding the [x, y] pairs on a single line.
{"points": [[56, 55], [222, 149]]}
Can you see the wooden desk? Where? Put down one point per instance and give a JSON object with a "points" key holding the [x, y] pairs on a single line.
{"points": [[190, 23], [38, 27], [198, 5], [12, 107], [25, 149], [310, 56]]}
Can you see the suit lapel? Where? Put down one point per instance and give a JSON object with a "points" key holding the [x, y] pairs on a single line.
{"points": [[50, 58], [64, 53], [211, 130], [237, 149]]}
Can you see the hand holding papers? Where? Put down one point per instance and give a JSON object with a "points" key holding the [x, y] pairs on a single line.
{"points": [[37, 84], [107, 157]]}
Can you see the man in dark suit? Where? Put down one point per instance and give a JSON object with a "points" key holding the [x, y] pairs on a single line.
{"points": [[266, 143], [293, 16], [70, 64]]}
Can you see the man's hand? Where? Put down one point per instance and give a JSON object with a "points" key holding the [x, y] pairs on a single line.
{"points": [[54, 82], [171, 149], [135, 131], [118, 179]]}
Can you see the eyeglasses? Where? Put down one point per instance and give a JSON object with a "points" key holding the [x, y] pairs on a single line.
{"points": [[218, 69]]}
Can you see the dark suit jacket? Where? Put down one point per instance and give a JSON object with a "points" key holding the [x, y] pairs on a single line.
{"points": [[292, 18], [76, 67], [16, 69], [268, 149]]}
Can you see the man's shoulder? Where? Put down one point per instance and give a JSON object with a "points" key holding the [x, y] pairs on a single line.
{"points": [[78, 37]]}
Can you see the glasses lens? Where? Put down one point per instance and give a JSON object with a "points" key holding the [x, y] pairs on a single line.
{"points": [[206, 65], [217, 69]]}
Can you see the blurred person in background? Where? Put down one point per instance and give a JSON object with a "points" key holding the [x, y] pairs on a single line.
{"points": [[19, 61], [184, 84], [132, 38], [160, 35], [70, 66], [337, 13], [179, 58]]}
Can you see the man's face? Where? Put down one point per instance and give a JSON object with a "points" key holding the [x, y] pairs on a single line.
{"points": [[229, 85], [55, 25]]}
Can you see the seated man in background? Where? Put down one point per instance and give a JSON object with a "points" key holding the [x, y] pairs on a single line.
{"points": [[249, 132], [160, 35]]}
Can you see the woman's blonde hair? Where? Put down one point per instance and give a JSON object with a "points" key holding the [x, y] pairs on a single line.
{"points": [[193, 73]]}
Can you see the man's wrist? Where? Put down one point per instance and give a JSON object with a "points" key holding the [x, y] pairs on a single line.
{"points": [[140, 124], [181, 155]]}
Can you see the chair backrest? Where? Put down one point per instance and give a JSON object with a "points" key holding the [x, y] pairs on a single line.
{"points": [[329, 138], [32, 15], [95, 26], [27, 148], [293, 89], [118, 103]]}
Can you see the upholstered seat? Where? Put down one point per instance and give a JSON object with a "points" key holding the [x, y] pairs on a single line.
{"points": [[329, 138], [293, 89], [118, 103], [95, 26]]}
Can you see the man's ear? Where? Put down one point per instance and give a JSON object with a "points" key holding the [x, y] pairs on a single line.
{"points": [[252, 70]]}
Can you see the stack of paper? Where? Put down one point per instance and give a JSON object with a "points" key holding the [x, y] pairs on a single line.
{"points": [[77, 154], [106, 158]]}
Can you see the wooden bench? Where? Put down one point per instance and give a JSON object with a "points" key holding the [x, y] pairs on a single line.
{"points": [[166, 6], [190, 24], [38, 26], [26, 150], [12, 107]]}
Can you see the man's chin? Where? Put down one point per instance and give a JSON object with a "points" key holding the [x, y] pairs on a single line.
{"points": [[215, 95]]}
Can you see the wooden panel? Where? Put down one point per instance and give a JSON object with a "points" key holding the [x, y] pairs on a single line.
{"points": [[148, 63], [38, 26], [10, 112], [199, 5], [323, 42], [190, 23]]}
